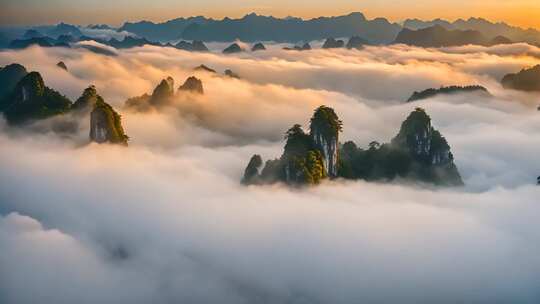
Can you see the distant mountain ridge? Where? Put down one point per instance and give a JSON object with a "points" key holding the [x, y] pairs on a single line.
{"points": [[256, 28], [439, 36], [253, 27], [489, 29]]}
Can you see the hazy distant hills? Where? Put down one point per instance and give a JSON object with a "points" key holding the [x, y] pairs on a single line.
{"points": [[253, 27], [439, 36], [489, 29]]}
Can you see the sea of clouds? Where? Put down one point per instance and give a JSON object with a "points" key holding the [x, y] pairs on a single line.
{"points": [[165, 220]]}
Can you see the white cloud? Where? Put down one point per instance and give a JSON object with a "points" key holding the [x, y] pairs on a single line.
{"points": [[165, 220]]}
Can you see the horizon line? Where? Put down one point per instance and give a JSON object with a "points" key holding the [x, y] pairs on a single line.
{"points": [[400, 22]]}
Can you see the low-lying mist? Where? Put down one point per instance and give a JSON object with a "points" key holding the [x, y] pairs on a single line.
{"points": [[166, 220]]}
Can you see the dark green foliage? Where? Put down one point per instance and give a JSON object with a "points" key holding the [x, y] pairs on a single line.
{"points": [[379, 162], [298, 142], [87, 100], [326, 121], [31, 100], [10, 75], [447, 90], [525, 80], [307, 169]]}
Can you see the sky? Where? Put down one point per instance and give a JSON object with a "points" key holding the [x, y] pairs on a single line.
{"points": [[524, 13]]}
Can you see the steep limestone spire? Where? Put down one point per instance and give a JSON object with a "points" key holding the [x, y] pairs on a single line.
{"points": [[106, 124], [324, 131]]}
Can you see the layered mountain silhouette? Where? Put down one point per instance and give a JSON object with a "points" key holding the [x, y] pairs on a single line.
{"points": [[490, 30], [417, 153], [524, 80], [252, 28], [429, 93], [194, 46], [438, 36], [106, 124]]}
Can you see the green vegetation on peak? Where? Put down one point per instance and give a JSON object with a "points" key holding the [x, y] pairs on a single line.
{"points": [[87, 100], [417, 153], [325, 121], [106, 124], [429, 93], [524, 80], [31, 100]]}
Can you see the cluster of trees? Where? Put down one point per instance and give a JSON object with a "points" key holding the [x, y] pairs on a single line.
{"points": [[425, 94]]}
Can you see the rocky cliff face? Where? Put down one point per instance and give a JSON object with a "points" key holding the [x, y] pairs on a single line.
{"points": [[427, 148], [193, 85], [163, 92], [162, 95], [106, 124], [31, 99], [252, 174], [415, 135], [10, 75], [307, 159], [324, 131]]}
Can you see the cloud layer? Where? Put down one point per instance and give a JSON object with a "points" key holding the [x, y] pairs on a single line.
{"points": [[165, 220]]}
